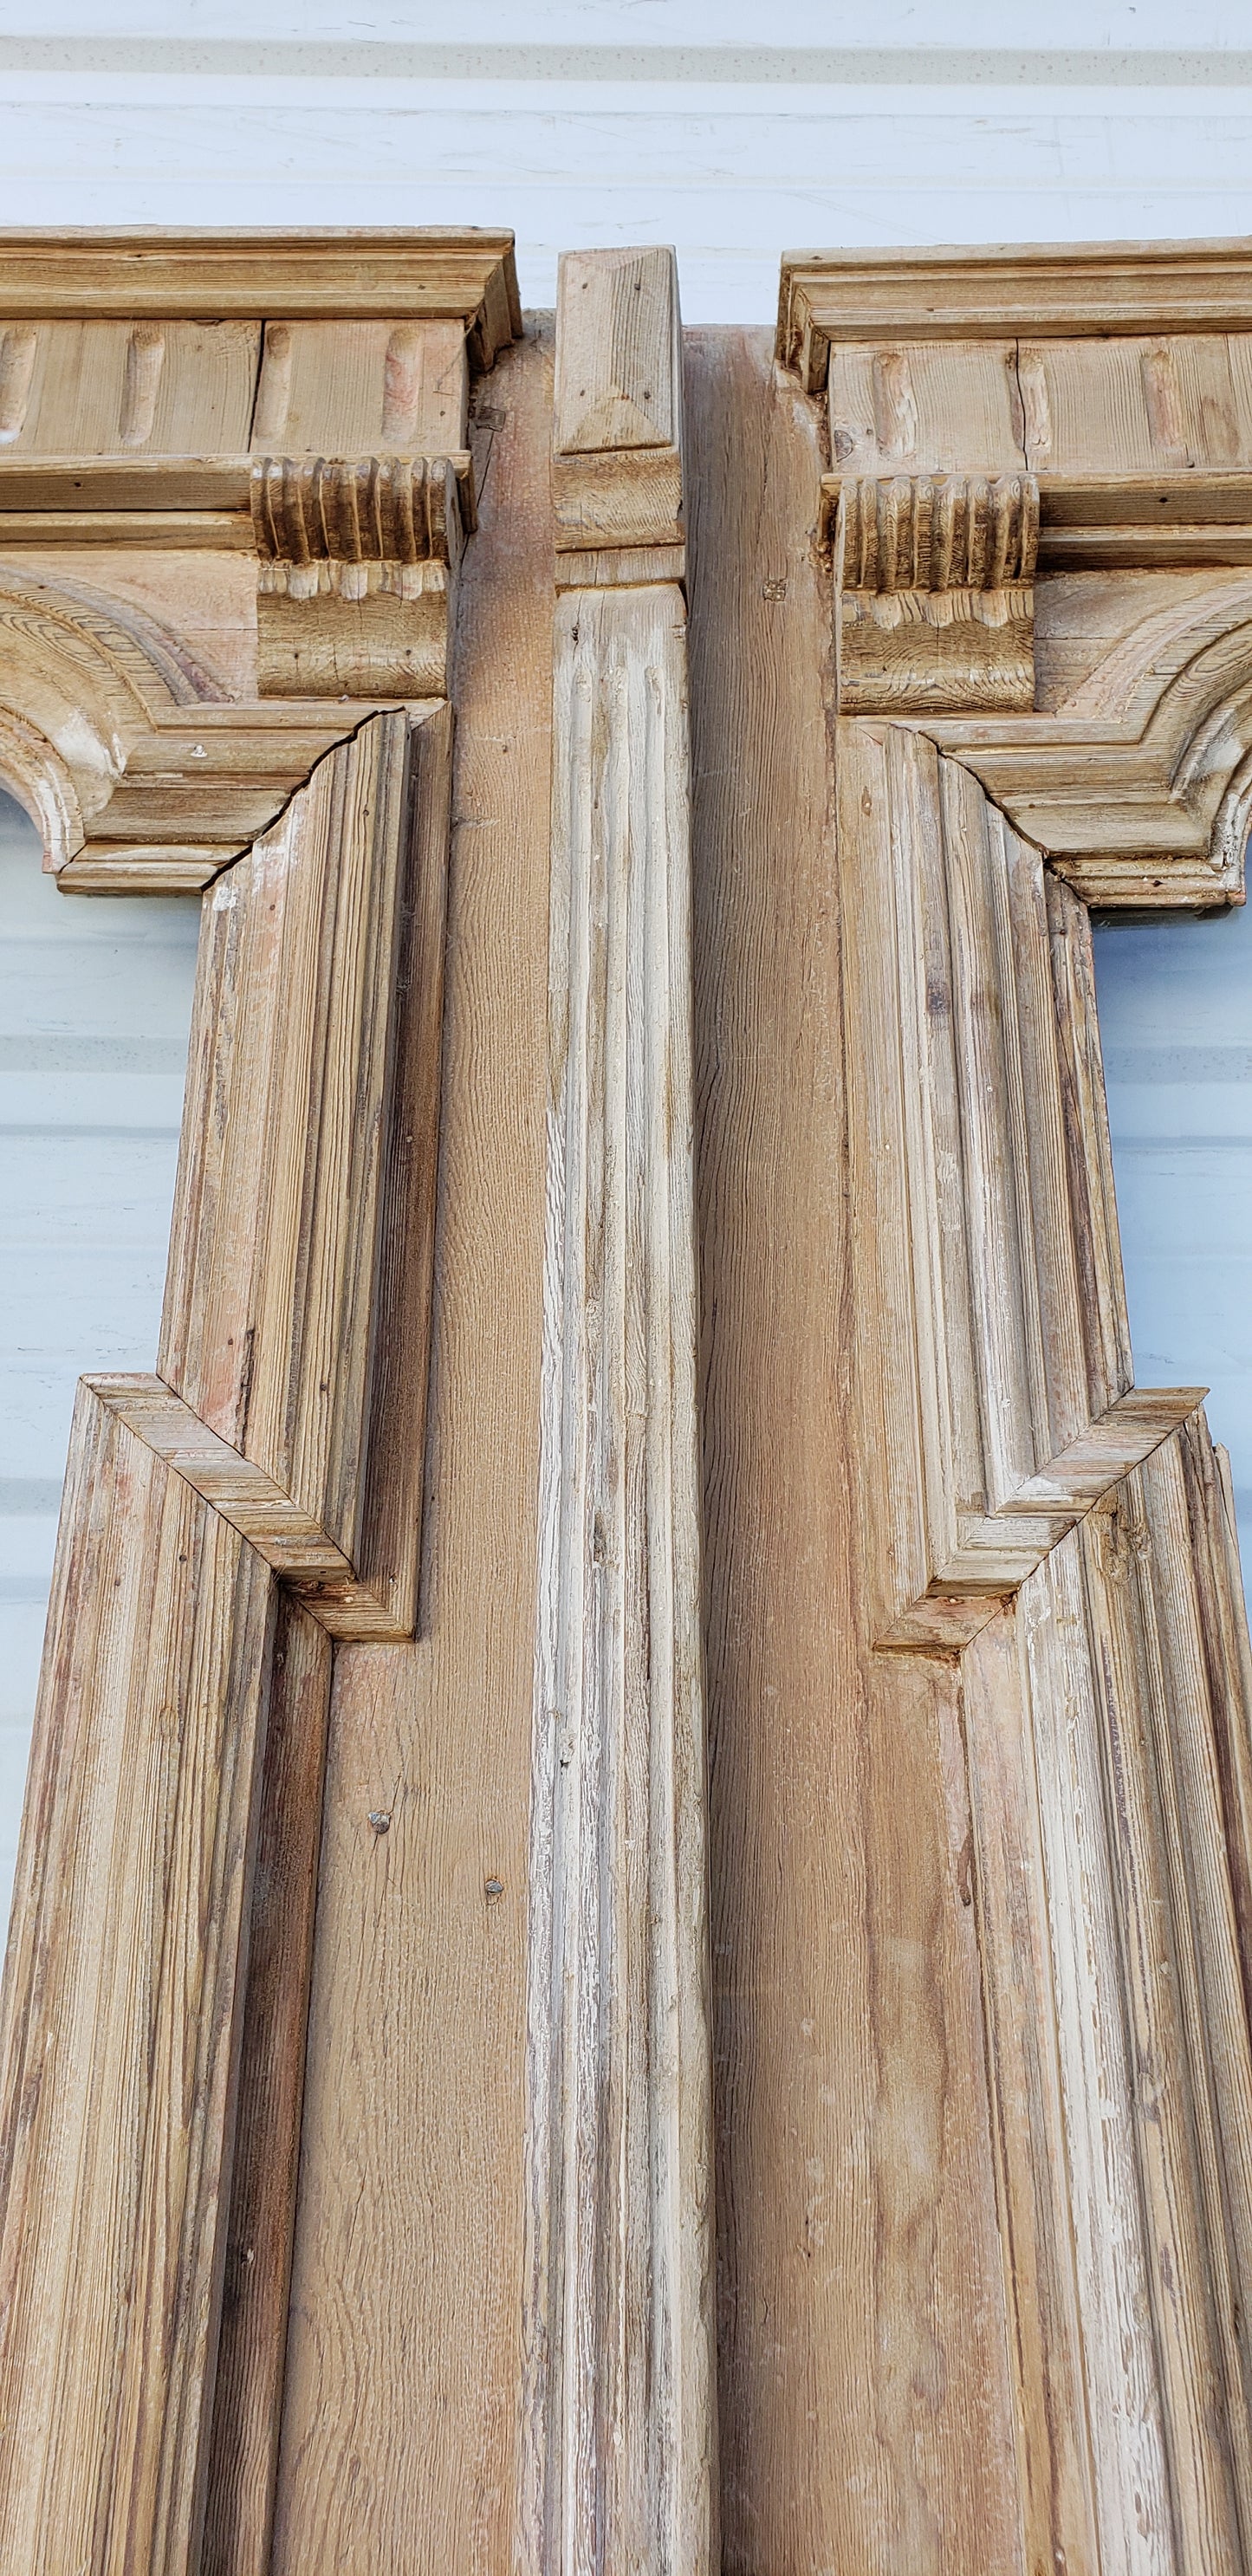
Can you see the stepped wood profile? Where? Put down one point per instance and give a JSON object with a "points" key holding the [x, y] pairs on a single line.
{"points": [[633, 1939]]}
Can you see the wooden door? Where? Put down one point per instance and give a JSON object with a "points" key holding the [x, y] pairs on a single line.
{"points": [[634, 1928]]}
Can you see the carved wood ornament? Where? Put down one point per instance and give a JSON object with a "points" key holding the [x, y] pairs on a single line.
{"points": [[233, 478], [1010, 2330], [1038, 545]]}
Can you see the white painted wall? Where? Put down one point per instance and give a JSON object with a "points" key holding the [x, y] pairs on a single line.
{"points": [[95, 1005], [733, 131]]}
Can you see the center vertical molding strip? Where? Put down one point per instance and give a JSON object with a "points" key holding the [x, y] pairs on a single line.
{"points": [[618, 2462]]}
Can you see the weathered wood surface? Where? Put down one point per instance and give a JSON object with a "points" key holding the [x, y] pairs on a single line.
{"points": [[269, 1332], [618, 2433], [995, 1363], [617, 426], [865, 2416], [1107, 1731], [403, 2355], [252, 2350], [618, 2444], [121, 2019], [435, 273]]}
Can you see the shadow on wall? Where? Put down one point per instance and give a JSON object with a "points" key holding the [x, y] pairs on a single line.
{"points": [[1175, 1002], [95, 1007]]}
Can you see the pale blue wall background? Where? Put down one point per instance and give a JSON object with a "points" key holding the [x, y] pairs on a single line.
{"points": [[1175, 1000]]}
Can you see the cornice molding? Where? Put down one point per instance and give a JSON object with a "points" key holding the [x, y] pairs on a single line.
{"points": [[1067, 290], [438, 273], [1140, 790]]}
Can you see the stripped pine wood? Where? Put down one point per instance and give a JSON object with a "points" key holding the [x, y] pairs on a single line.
{"points": [[243, 2453], [864, 2412], [268, 1333], [618, 2435], [121, 2026], [407, 2282], [108, 388], [618, 2438], [1102, 1685], [437, 273]]}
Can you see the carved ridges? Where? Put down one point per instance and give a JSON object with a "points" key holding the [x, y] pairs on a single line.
{"points": [[360, 510], [925, 532]]}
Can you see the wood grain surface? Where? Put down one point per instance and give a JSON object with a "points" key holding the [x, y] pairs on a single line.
{"points": [[865, 2412], [121, 2026], [618, 2441], [399, 2445], [252, 2349], [269, 1332]]}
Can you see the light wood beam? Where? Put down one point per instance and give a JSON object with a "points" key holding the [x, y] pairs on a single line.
{"points": [[618, 2434]]}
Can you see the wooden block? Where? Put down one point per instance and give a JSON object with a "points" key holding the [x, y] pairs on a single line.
{"points": [[631, 497], [150, 387], [618, 362], [361, 389], [382, 634], [617, 427], [952, 651]]}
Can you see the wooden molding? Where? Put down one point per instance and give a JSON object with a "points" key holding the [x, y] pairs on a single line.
{"points": [[999, 1377], [121, 2022], [1066, 290], [1140, 790], [617, 422], [143, 777], [272, 1469], [440, 273], [936, 605], [618, 2414]]}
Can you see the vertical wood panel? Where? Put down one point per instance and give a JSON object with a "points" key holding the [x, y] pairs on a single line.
{"points": [[120, 2014], [400, 2432], [268, 1324], [618, 2459], [866, 2419], [257, 2272]]}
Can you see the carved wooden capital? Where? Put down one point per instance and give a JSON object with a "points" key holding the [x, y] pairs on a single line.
{"points": [[358, 558], [936, 602], [943, 532], [355, 510], [617, 425]]}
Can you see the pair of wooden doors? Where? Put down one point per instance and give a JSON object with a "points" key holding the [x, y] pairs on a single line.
{"points": [[631, 1946]]}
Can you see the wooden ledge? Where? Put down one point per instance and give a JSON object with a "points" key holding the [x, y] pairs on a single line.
{"points": [[438, 273], [1109, 523], [1059, 290], [186, 501]]}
